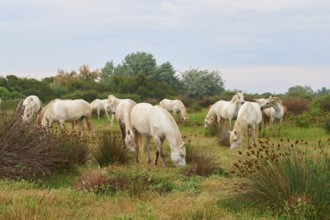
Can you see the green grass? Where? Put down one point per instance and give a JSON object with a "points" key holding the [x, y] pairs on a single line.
{"points": [[155, 192]]}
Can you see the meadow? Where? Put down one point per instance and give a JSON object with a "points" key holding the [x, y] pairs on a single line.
{"points": [[207, 188]]}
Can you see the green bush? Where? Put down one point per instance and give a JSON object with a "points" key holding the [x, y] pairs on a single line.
{"points": [[327, 125], [288, 178]]}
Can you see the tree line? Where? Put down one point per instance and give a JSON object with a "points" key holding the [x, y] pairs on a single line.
{"points": [[138, 76]]}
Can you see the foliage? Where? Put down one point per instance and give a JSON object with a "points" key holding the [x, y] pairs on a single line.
{"points": [[137, 63], [289, 179], [327, 125], [305, 92], [324, 103], [29, 152], [296, 105], [199, 83], [110, 149]]}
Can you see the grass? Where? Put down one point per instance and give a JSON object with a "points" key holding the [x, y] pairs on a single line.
{"points": [[153, 192]]}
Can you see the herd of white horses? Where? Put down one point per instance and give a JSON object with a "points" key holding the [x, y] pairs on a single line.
{"points": [[137, 120]]}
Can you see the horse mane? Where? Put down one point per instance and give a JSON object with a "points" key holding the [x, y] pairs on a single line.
{"points": [[174, 124]]}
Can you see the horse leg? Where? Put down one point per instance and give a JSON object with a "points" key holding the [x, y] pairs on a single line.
{"points": [[271, 125], [90, 125], [106, 112], [61, 121], [136, 140], [123, 130], [98, 113], [81, 127], [158, 143], [148, 148]]}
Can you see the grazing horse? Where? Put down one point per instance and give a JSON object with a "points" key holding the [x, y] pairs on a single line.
{"points": [[157, 123], [273, 111], [222, 110], [31, 106], [249, 117], [68, 110], [98, 105], [174, 106], [123, 117]]}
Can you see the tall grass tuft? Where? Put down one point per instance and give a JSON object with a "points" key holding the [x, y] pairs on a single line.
{"points": [[29, 152], [110, 149], [199, 164], [289, 178]]}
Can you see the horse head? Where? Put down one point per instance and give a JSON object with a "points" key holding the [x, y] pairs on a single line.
{"points": [[129, 141], [239, 99], [234, 140], [178, 155]]}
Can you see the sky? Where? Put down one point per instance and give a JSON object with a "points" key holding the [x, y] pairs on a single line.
{"points": [[258, 45]]}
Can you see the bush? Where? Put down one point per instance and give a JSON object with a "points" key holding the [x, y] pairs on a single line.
{"points": [[110, 149], [296, 105], [327, 125], [324, 103], [29, 152], [288, 178]]}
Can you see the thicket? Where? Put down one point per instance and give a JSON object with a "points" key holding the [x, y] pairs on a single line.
{"points": [[31, 153]]}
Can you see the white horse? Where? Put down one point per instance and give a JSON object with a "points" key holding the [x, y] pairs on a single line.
{"points": [[174, 106], [123, 117], [68, 110], [222, 110], [98, 105], [155, 122], [273, 111], [249, 117], [112, 104], [31, 105]]}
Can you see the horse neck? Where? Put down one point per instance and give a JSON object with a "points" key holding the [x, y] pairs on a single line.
{"points": [[240, 127]]}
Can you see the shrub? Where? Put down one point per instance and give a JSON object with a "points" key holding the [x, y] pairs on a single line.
{"points": [[327, 125], [110, 149], [296, 105], [324, 103], [289, 178], [29, 152]]}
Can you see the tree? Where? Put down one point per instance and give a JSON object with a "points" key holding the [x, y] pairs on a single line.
{"points": [[107, 71], [137, 63], [165, 73], [199, 83], [300, 91]]}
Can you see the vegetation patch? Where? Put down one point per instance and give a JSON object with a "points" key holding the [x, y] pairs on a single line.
{"points": [[290, 179], [29, 152]]}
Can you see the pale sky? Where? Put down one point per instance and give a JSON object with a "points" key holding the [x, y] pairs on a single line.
{"points": [[258, 45]]}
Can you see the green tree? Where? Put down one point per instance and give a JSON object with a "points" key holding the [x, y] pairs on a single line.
{"points": [[165, 73], [199, 83], [136, 63], [300, 91]]}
